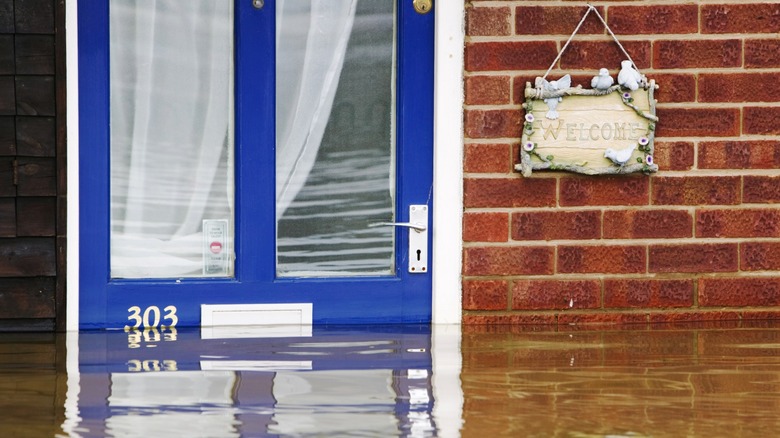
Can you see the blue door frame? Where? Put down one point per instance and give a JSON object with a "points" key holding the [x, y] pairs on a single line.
{"points": [[399, 298]]}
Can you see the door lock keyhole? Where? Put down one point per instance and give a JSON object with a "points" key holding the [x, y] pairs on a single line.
{"points": [[423, 6], [418, 254]]}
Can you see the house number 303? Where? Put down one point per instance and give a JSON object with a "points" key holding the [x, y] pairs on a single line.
{"points": [[151, 317]]}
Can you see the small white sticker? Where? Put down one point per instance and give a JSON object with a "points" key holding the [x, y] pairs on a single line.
{"points": [[216, 254]]}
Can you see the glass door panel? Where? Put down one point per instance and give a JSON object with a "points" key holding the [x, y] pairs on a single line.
{"points": [[171, 109], [335, 141]]}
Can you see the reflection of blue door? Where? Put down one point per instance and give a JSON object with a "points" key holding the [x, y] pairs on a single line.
{"points": [[339, 381], [248, 161]]}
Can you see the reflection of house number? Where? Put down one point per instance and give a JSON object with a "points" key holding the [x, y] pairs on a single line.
{"points": [[151, 317], [135, 366], [150, 336]]}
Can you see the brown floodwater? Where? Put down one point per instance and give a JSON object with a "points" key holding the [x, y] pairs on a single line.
{"points": [[477, 381]]}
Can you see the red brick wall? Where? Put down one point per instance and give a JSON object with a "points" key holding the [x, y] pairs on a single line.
{"points": [[698, 240]]}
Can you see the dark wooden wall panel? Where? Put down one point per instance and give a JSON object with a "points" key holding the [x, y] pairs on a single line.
{"points": [[34, 16], [32, 164], [6, 16], [36, 177], [7, 57], [36, 217], [7, 96], [35, 96], [35, 136], [34, 54], [7, 217], [27, 298], [7, 177], [7, 136], [27, 257]]}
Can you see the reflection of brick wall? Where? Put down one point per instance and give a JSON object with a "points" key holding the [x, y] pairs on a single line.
{"points": [[698, 240], [29, 141]]}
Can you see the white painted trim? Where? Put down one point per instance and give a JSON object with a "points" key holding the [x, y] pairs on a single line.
{"points": [[447, 389], [72, 86], [72, 422], [448, 162]]}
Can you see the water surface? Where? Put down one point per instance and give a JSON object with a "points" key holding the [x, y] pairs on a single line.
{"points": [[703, 380]]}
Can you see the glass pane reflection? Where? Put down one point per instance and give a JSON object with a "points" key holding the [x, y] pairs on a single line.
{"points": [[335, 137]]}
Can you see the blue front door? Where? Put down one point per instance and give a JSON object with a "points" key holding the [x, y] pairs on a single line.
{"points": [[254, 153]]}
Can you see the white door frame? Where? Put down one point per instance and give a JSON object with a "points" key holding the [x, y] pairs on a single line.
{"points": [[447, 172]]}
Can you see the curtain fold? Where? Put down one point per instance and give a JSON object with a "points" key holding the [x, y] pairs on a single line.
{"points": [[171, 115], [311, 42]]}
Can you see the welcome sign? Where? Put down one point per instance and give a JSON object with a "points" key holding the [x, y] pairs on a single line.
{"points": [[590, 131]]}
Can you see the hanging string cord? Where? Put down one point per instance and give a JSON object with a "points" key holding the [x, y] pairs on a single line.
{"points": [[563, 49], [614, 37], [577, 29]]}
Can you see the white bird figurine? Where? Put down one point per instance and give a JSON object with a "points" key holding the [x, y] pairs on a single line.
{"points": [[620, 157], [628, 76], [602, 81], [552, 103]]}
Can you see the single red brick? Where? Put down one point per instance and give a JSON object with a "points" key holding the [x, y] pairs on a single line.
{"points": [[485, 227], [739, 87], [485, 295], [509, 192], [487, 158], [556, 294], [641, 293], [509, 319], [738, 223], [690, 190], [739, 292], [675, 87], [487, 90], [656, 19], [596, 54], [556, 20], [693, 53], [696, 316], [615, 259], [739, 154], [611, 318], [487, 21], [556, 225], [694, 258], [762, 53], [676, 155], [761, 120], [697, 122], [760, 189], [509, 55], [759, 256], [498, 123], [647, 224], [623, 190], [761, 315], [513, 260], [749, 18]]}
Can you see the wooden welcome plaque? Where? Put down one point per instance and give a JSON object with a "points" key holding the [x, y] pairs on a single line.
{"points": [[588, 131]]}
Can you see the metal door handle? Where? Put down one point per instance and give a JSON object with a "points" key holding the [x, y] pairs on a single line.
{"points": [[418, 237], [416, 227]]}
